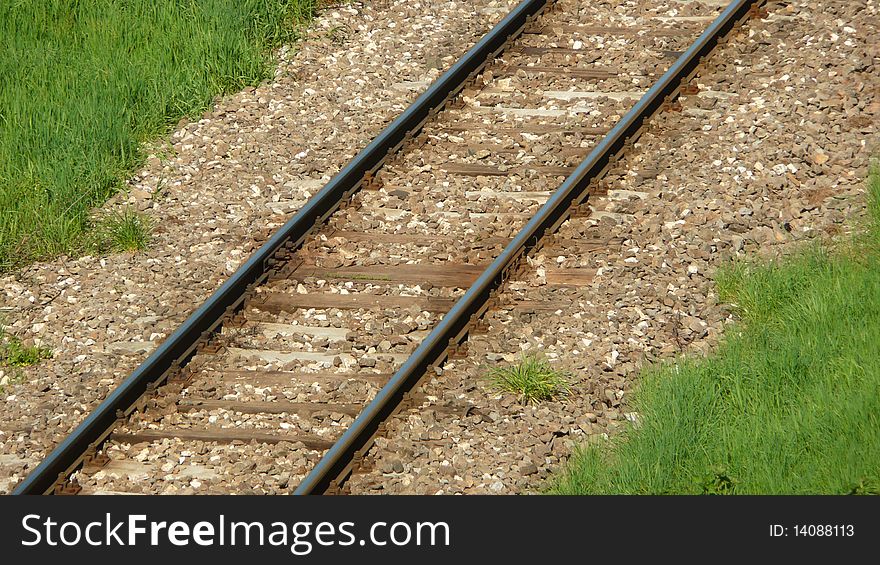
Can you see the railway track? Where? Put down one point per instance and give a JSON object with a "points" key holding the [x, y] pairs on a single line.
{"points": [[281, 381]]}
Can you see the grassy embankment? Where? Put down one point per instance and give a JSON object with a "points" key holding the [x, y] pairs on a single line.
{"points": [[790, 403], [86, 83]]}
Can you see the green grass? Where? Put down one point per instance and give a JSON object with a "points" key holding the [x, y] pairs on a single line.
{"points": [[790, 403], [533, 379], [85, 83], [127, 230], [13, 353]]}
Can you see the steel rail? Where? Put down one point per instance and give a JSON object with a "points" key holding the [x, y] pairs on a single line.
{"points": [[176, 351], [332, 469]]}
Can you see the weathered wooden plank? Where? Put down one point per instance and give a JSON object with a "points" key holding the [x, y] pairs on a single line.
{"points": [[416, 239], [286, 378], [473, 170], [525, 128], [449, 275], [279, 302], [271, 330], [570, 277], [283, 356], [270, 355], [711, 3], [566, 95], [551, 305], [267, 407], [220, 435], [137, 471], [593, 95], [689, 19], [100, 492], [561, 246], [528, 112], [467, 169], [565, 71], [539, 195], [609, 30], [11, 460], [496, 149], [393, 214], [538, 51]]}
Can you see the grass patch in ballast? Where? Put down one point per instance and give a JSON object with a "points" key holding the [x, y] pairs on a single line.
{"points": [[14, 353], [790, 403], [85, 84], [125, 230], [532, 379]]}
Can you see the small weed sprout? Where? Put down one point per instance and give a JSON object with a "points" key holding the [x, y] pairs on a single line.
{"points": [[717, 481], [866, 486], [533, 379], [13, 353]]}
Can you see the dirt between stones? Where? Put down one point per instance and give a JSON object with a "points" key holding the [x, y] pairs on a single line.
{"points": [[217, 188], [779, 157]]}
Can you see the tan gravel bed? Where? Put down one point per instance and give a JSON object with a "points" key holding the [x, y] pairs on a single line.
{"points": [[173, 467], [778, 164], [634, 12], [216, 188], [207, 408]]}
